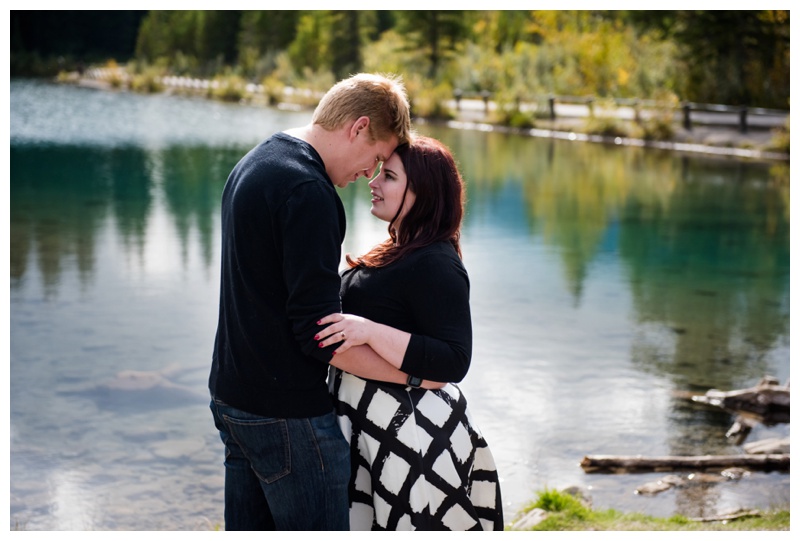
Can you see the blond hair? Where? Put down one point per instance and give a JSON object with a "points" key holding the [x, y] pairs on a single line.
{"points": [[381, 98]]}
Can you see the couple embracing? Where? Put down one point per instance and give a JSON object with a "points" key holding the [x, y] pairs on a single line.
{"points": [[334, 394]]}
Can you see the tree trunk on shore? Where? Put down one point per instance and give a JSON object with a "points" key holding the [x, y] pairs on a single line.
{"points": [[636, 464]]}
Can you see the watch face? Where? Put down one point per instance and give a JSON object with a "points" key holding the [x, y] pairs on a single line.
{"points": [[414, 381]]}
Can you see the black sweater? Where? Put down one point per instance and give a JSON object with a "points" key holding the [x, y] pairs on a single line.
{"points": [[282, 230], [426, 294]]}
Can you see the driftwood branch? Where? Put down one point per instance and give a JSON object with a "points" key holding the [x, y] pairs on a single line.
{"points": [[632, 464], [728, 516], [767, 402], [769, 446]]}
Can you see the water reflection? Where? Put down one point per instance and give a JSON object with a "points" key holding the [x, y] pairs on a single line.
{"points": [[62, 198], [603, 278], [703, 244]]}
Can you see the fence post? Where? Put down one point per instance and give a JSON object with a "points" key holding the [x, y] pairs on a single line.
{"points": [[687, 116], [551, 103], [457, 96], [743, 120], [485, 96]]}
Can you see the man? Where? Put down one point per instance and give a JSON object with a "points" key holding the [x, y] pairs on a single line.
{"points": [[286, 462]]}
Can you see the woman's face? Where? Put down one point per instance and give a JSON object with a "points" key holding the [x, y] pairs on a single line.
{"points": [[387, 191]]}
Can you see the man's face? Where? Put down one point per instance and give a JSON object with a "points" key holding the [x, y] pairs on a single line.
{"points": [[363, 158]]}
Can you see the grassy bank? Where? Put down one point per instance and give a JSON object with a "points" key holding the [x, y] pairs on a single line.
{"points": [[607, 122], [560, 511]]}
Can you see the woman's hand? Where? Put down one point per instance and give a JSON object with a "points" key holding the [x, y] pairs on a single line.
{"points": [[348, 329]]}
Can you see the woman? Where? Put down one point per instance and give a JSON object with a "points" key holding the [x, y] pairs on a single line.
{"points": [[418, 460]]}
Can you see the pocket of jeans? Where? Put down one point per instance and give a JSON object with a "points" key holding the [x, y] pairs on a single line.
{"points": [[265, 443], [325, 422]]}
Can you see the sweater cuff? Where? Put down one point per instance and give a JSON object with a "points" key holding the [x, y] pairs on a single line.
{"points": [[414, 358]]}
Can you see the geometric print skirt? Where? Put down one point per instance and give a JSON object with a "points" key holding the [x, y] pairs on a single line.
{"points": [[418, 460]]}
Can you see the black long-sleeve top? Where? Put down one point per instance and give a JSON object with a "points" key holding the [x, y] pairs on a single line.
{"points": [[282, 230], [426, 294]]}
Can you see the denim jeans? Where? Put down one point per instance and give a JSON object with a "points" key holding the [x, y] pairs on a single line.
{"points": [[283, 474]]}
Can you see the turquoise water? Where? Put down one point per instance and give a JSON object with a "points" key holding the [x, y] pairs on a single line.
{"points": [[604, 281]]}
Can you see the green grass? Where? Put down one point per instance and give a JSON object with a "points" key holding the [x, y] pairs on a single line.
{"points": [[568, 513]]}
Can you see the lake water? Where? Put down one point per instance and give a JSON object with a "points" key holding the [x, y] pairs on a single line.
{"points": [[604, 281]]}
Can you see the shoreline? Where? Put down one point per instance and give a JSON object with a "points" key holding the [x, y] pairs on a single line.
{"points": [[727, 151], [720, 141]]}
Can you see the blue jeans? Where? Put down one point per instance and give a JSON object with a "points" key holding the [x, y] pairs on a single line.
{"points": [[283, 474]]}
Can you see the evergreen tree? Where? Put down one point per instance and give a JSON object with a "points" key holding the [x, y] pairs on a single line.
{"points": [[216, 34], [731, 52], [92, 35], [163, 34], [268, 31], [310, 50], [345, 43], [731, 56], [435, 33]]}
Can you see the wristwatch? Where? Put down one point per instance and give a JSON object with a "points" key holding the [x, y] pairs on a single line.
{"points": [[414, 381]]}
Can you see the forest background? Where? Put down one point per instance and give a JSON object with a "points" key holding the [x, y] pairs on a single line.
{"points": [[738, 58]]}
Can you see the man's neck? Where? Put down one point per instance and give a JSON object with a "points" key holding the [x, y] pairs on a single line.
{"points": [[328, 144], [303, 133]]}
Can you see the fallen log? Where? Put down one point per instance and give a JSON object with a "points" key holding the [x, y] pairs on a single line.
{"points": [[768, 401], [635, 464]]}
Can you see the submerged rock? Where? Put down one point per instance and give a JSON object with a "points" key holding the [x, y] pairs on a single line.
{"points": [[654, 487], [130, 391]]}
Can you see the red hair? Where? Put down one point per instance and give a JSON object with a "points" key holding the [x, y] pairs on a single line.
{"points": [[433, 177]]}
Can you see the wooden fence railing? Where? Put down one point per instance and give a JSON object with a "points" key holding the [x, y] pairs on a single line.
{"points": [[687, 113], [690, 113]]}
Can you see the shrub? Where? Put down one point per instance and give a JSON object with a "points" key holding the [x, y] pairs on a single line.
{"points": [[659, 124], [658, 128], [780, 139], [430, 101], [273, 89], [607, 126], [511, 112], [228, 88], [147, 80]]}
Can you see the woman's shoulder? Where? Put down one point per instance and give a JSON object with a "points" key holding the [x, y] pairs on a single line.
{"points": [[442, 248], [439, 251], [439, 255]]}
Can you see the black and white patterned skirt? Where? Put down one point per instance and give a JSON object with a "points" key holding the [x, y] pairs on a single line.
{"points": [[419, 462]]}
